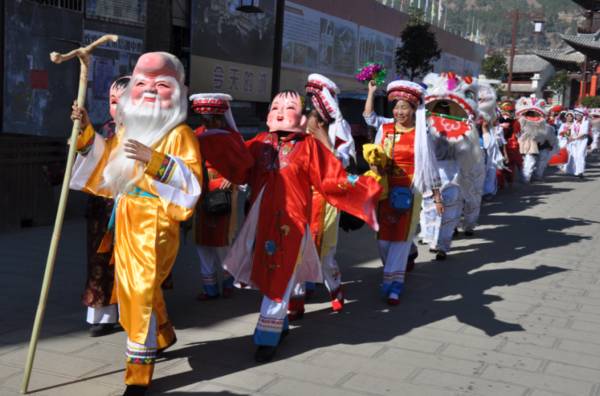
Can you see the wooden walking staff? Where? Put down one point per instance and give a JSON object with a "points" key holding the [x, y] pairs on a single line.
{"points": [[84, 55]]}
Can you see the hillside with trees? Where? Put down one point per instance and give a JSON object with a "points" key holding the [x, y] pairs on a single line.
{"points": [[493, 20]]}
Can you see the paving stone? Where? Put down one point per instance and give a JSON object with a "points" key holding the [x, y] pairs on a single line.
{"points": [[52, 384], [581, 347], [8, 371], [329, 360], [574, 372], [426, 360], [560, 332], [67, 344], [252, 380], [575, 358], [387, 386], [289, 387], [416, 344], [467, 385], [313, 371], [538, 380], [538, 392], [457, 338], [492, 357], [53, 362], [521, 337]]}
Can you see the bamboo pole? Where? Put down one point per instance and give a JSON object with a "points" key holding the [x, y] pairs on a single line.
{"points": [[83, 54]]}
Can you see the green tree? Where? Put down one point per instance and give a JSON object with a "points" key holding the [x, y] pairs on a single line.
{"points": [[559, 82], [419, 48], [494, 66]]}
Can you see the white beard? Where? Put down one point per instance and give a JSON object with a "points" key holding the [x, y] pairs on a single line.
{"points": [[147, 123]]}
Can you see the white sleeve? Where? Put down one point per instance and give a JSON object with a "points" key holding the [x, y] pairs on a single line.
{"points": [[376, 121], [178, 184], [85, 164]]}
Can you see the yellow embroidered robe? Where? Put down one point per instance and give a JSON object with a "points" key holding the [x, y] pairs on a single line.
{"points": [[146, 233]]}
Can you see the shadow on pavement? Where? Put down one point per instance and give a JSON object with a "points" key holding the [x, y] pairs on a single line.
{"points": [[436, 290]]}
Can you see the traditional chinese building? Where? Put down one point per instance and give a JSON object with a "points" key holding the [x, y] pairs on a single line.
{"points": [[582, 56]]}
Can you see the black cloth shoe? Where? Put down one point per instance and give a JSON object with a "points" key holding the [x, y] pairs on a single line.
{"points": [[264, 353], [101, 329], [469, 233], [135, 390], [440, 256]]}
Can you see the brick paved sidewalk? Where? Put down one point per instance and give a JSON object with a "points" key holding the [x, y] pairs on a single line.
{"points": [[515, 310]]}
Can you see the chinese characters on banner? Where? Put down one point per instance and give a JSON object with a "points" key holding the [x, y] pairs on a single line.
{"points": [[242, 81], [232, 52]]}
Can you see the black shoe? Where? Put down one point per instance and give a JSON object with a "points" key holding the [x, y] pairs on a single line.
{"points": [[433, 250], [135, 390], [101, 329], [440, 256], [265, 353], [469, 233]]}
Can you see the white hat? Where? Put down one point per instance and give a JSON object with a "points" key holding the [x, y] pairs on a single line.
{"points": [[406, 90], [214, 104], [317, 82]]}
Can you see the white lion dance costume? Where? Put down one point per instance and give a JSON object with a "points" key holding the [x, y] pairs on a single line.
{"points": [[537, 140], [493, 158], [452, 103]]}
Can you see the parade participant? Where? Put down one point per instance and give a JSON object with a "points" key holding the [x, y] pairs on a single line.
{"points": [[335, 133], [339, 131], [274, 250], [222, 148], [561, 158], [101, 314], [452, 103], [511, 126], [151, 167], [493, 158], [553, 118], [577, 144], [536, 137], [411, 171], [595, 126]]}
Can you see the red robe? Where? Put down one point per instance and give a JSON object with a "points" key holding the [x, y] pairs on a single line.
{"points": [[286, 169], [395, 226], [225, 154], [512, 146]]}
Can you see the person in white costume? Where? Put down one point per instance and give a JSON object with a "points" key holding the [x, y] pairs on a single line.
{"points": [[595, 128], [577, 144], [537, 140]]}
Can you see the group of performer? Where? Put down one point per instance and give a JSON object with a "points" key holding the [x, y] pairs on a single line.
{"points": [[447, 146]]}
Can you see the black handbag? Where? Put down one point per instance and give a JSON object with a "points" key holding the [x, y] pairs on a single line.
{"points": [[216, 202]]}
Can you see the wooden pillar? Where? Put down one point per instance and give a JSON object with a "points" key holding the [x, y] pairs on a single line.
{"points": [[593, 85], [582, 91]]}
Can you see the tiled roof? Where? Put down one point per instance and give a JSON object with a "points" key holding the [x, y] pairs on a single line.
{"points": [[591, 41], [529, 64], [569, 56], [593, 5]]}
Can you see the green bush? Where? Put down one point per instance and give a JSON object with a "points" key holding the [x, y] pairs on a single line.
{"points": [[591, 102]]}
